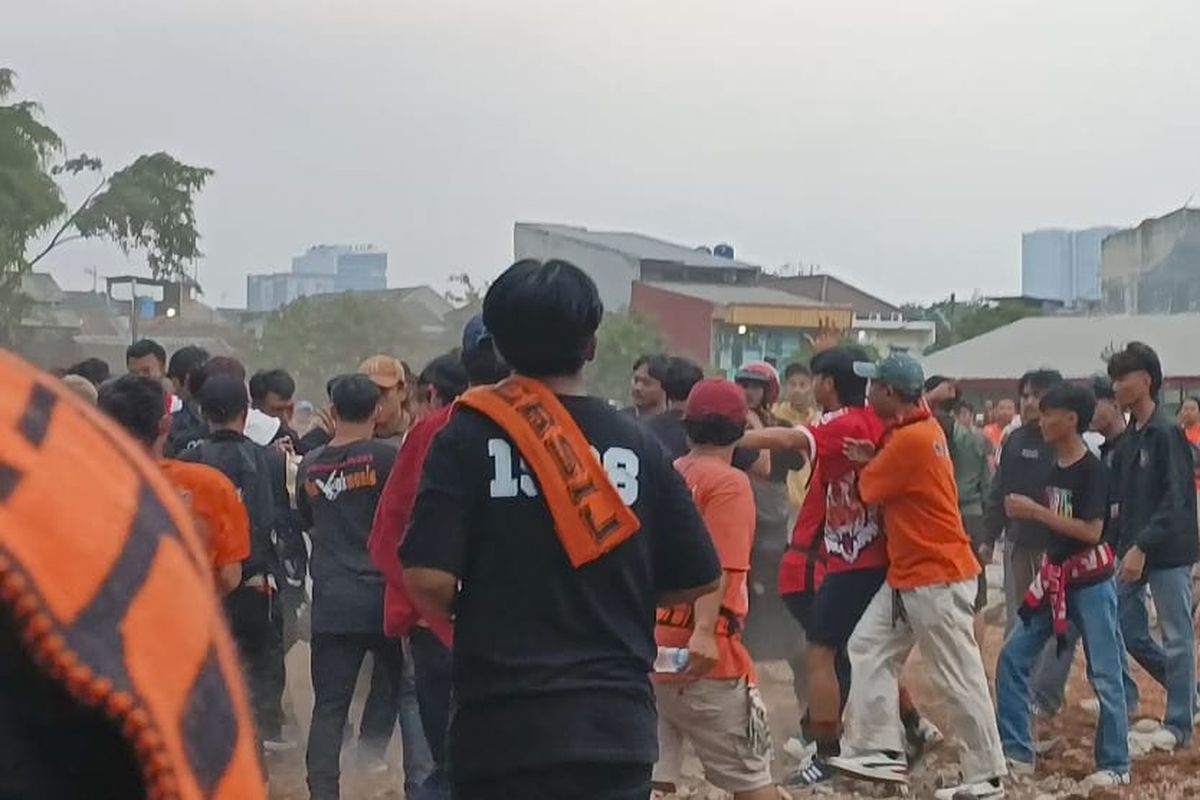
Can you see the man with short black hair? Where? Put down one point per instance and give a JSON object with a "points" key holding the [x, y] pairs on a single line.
{"points": [[1075, 582], [1157, 544], [138, 405], [272, 392], [796, 406], [969, 451], [443, 379], [146, 358], [187, 423], [338, 488], [1025, 461], [94, 369], [681, 375], [562, 556], [260, 476], [646, 386]]}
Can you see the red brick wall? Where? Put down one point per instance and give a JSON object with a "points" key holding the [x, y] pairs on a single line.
{"points": [[684, 322]]}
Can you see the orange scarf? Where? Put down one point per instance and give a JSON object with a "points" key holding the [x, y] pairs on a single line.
{"points": [[110, 590], [589, 516]]}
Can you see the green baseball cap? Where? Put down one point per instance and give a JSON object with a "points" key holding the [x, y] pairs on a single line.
{"points": [[898, 370]]}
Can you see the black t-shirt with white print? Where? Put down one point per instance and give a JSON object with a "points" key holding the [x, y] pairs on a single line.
{"points": [[551, 662], [337, 490], [1078, 491]]}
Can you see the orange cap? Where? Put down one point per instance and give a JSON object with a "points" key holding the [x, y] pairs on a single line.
{"points": [[385, 371]]}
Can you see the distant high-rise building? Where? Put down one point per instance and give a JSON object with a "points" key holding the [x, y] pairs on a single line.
{"points": [[323, 269], [1063, 265]]}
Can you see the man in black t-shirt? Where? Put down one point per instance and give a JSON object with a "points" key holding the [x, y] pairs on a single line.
{"points": [[680, 377], [552, 650], [1075, 582], [337, 489]]}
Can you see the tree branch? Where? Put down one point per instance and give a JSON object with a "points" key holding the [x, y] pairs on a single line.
{"points": [[57, 239]]}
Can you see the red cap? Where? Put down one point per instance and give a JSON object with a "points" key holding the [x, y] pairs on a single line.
{"points": [[719, 397]]}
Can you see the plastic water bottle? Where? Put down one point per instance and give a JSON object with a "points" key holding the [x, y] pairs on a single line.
{"points": [[671, 659]]}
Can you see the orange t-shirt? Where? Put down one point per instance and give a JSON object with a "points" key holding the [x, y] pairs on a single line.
{"points": [[912, 478], [726, 503], [220, 516]]}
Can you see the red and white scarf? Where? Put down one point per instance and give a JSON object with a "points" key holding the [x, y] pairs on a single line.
{"points": [[1051, 583]]}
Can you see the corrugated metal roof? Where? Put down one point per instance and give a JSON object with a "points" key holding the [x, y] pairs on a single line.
{"points": [[732, 294], [638, 245], [1075, 346]]}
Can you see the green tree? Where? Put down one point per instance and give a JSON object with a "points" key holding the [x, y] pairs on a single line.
{"points": [[957, 321], [316, 338], [619, 342], [146, 206]]}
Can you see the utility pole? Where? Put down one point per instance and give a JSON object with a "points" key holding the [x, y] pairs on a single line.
{"points": [[133, 312]]}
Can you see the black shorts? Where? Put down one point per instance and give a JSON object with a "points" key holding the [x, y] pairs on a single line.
{"points": [[590, 781], [839, 604]]}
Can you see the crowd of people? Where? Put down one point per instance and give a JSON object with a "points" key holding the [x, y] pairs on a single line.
{"points": [[557, 594]]}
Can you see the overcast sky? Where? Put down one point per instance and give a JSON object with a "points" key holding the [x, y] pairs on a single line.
{"points": [[901, 145]]}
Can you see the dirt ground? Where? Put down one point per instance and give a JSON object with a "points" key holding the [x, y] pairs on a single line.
{"points": [[1156, 777]]}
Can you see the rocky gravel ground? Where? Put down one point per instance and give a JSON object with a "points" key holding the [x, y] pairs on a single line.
{"points": [[1155, 777]]}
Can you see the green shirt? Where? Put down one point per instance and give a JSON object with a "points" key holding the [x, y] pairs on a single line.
{"points": [[969, 452]]}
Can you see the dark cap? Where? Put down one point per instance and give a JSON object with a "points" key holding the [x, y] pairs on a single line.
{"points": [[223, 397], [474, 334], [898, 370], [716, 397]]}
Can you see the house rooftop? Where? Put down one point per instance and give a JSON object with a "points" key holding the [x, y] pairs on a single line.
{"points": [[1075, 346], [638, 245], [736, 294]]}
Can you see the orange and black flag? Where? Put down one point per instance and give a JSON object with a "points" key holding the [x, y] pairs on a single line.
{"points": [[112, 594]]}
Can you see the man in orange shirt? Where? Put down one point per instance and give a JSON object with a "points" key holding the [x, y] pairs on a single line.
{"points": [[927, 600], [139, 405], [715, 705]]}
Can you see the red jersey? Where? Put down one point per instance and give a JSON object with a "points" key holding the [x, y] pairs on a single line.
{"points": [[391, 521], [835, 531]]}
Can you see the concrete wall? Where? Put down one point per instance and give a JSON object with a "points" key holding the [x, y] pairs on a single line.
{"points": [[1130, 258], [613, 272], [685, 323]]}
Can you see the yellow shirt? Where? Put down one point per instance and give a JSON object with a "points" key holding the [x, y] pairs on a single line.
{"points": [[797, 480]]}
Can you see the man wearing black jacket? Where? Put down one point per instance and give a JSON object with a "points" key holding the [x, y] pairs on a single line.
{"points": [[1155, 506], [1025, 462], [260, 476]]}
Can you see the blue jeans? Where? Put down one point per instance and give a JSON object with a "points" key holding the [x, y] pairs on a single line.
{"points": [[1173, 663], [1093, 611], [1048, 681]]}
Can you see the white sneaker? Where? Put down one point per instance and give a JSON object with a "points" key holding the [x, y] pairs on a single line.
{"points": [[874, 767], [1019, 769], [1163, 739], [800, 750], [1145, 725], [972, 791], [1103, 778]]}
